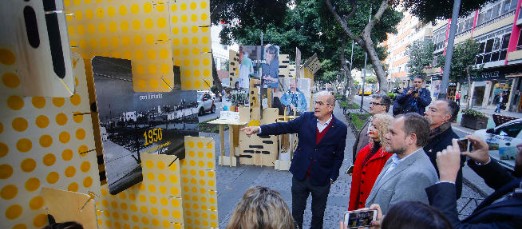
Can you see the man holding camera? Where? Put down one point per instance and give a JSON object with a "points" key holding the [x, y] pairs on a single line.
{"points": [[414, 99]]}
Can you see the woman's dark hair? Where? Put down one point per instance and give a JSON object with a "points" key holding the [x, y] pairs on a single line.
{"points": [[414, 215]]}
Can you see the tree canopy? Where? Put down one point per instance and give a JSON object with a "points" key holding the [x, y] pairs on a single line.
{"points": [[421, 56], [429, 10], [463, 60]]}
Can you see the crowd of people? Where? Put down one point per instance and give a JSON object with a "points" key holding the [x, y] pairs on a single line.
{"points": [[407, 167]]}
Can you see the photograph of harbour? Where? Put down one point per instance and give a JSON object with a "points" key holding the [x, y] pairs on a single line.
{"points": [[133, 123]]}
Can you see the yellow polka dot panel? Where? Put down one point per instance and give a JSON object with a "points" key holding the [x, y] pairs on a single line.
{"points": [[154, 35], [36, 136], [199, 183], [153, 203]]}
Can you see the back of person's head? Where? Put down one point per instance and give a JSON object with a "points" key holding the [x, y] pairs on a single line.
{"points": [[415, 123], [414, 215], [453, 109], [261, 208], [385, 100]]}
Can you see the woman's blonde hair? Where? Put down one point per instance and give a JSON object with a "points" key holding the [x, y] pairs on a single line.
{"points": [[261, 208], [383, 124]]}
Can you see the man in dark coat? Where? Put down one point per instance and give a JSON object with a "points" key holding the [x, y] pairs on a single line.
{"points": [[502, 209], [414, 99], [318, 157], [440, 114]]}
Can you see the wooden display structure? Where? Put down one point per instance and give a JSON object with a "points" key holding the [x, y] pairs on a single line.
{"points": [[233, 136], [70, 206]]}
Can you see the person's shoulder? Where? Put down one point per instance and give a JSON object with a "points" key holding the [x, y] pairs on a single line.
{"points": [[337, 121]]}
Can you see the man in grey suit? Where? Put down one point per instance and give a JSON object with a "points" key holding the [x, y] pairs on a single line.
{"points": [[409, 171]]}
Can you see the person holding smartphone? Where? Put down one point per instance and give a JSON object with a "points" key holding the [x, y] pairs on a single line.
{"points": [[405, 214], [501, 209]]}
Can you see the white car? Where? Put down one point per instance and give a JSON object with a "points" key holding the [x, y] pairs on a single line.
{"points": [[503, 138], [205, 103]]}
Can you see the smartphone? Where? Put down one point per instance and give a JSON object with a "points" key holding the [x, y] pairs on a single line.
{"points": [[464, 144], [355, 219]]}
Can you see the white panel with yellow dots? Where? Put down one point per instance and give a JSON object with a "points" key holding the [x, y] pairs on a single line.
{"points": [[44, 142], [154, 203], [190, 25], [154, 35], [137, 30], [198, 172]]}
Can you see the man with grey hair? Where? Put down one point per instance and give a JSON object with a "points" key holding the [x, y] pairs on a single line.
{"points": [[380, 104], [409, 171], [440, 114], [318, 157]]}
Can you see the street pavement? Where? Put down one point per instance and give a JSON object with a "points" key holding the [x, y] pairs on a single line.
{"points": [[232, 182]]}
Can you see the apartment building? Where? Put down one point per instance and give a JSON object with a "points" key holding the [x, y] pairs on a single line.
{"points": [[409, 30]]}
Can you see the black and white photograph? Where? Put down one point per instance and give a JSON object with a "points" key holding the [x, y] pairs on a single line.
{"points": [[133, 123]]}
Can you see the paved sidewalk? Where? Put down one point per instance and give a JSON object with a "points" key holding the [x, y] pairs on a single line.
{"points": [[489, 111]]}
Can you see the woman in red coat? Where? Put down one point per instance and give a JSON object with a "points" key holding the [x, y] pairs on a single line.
{"points": [[369, 162]]}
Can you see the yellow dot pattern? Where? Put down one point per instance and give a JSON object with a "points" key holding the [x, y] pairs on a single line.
{"points": [[37, 138], [154, 35], [199, 183], [148, 203], [41, 137]]}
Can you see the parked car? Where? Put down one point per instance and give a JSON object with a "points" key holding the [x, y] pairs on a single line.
{"points": [[503, 138], [205, 103]]}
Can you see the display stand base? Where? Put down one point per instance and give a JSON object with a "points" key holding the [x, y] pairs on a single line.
{"points": [[282, 165], [226, 161]]}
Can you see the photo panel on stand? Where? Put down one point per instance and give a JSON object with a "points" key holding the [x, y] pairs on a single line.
{"points": [[133, 123], [270, 85], [248, 58], [295, 99]]}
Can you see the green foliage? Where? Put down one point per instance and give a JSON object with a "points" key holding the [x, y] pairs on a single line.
{"points": [[391, 95], [371, 80], [474, 113], [236, 14], [463, 58], [429, 10], [358, 120], [421, 56]]}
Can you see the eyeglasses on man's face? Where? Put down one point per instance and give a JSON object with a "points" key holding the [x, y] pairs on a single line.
{"points": [[376, 104], [321, 103]]}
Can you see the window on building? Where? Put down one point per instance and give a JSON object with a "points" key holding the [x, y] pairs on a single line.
{"points": [[508, 5], [519, 44], [493, 47]]}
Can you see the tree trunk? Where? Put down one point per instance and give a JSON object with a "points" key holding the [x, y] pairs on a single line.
{"points": [[348, 80], [376, 64], [215, 76], [365, 41]]}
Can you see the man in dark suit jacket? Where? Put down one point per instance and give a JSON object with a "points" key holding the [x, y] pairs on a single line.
{"points": [[440, 114], [502, 209], [318, 157]]}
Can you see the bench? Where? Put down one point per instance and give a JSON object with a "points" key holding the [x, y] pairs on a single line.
{"points": [[500, 119]]}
